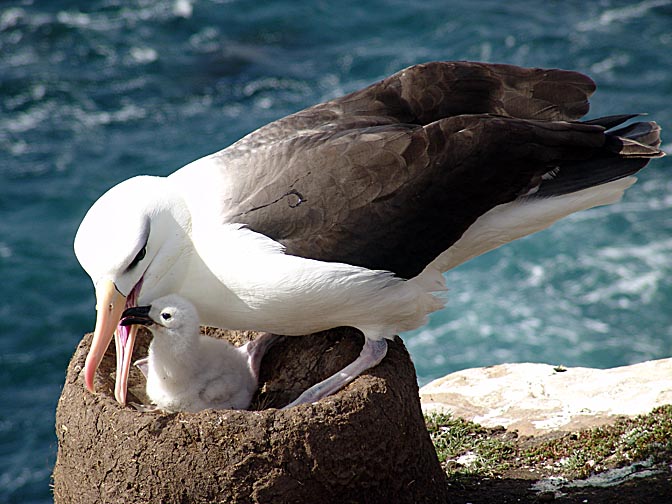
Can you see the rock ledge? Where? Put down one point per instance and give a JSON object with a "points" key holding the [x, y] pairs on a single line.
{"points": [[536, 399]]}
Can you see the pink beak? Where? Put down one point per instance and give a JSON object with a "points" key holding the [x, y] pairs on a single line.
{"points": [[110, 305]]}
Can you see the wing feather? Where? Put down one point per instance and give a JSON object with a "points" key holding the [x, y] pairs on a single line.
{"points": [[390, 176]]}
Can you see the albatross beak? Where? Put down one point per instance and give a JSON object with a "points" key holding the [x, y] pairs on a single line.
{"points": [[110, 303]]}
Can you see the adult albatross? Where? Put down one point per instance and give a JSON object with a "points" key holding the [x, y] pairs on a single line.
{"points": [[347, 213]]}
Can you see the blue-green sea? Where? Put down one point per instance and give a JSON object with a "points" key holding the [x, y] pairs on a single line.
{"points": [[94, 92]]}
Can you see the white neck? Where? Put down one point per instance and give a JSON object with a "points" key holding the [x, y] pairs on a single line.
{"points": [[252, 284]]}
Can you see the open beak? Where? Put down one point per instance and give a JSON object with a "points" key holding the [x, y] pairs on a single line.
{"points": [[136, 315], [110, 304]]}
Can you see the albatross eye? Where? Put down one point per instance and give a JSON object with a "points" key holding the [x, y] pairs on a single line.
{"points": [[138, 258], [166, 316]]}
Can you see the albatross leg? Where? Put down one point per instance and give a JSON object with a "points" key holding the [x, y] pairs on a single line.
{"points": [[371, 355], [256, 349]]}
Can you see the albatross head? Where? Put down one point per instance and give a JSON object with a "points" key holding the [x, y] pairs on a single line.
{"points": [[129, 243]]}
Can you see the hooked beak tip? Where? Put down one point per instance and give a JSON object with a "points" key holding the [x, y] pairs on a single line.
{"points": [[89, 374]]}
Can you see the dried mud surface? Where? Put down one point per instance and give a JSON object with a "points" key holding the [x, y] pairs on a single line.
{"points": [[367, 443]]}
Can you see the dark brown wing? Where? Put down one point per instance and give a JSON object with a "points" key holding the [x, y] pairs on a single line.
{"points": [[390, 176], [428, 92]]}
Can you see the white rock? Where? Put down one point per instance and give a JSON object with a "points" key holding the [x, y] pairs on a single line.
{"points": [[536, 398]]}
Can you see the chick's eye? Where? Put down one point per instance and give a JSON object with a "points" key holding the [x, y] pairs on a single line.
{"points": [[166, 316], [138, 258]]}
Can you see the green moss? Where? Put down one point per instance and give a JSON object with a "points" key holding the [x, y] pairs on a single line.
{"points": [[468, 449], [627, 440]]}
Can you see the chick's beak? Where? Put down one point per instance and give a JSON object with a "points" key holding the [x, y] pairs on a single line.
{"points": [[136, 315]]}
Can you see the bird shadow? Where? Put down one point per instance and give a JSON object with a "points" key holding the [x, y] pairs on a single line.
{"points": [[290, 366]]}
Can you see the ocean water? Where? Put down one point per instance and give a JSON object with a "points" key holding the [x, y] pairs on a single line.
{"points": [[92, 93]]}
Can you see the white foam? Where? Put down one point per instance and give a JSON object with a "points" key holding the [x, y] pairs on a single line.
{"points": [[621, 14], [144, 54], [183, 8]]}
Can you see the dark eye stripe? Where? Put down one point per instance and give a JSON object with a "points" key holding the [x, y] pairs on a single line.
{"points": [[138, 258]]}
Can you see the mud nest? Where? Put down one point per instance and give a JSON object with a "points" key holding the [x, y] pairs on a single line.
{"points": [[366, 443]]}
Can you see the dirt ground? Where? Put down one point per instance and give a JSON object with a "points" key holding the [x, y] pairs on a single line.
{"points": [[368, 443], [509, 489]]}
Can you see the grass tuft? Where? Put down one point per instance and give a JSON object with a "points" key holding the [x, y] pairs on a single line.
{"points": [[465, 448]]}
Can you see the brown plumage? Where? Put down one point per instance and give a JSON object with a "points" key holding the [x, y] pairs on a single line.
{"points": [[409, 163]]}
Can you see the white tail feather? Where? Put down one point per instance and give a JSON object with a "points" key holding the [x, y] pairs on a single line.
{"points": [[519, 218]]}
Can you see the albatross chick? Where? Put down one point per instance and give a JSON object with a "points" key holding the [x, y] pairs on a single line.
{"points": [[187, 371]]}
